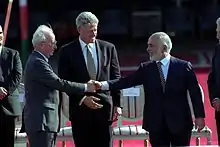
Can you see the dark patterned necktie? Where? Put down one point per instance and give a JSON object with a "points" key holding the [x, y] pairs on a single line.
{"points": [[162, 79], [90, 64]]}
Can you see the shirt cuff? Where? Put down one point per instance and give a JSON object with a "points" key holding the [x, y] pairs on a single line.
{"points": [[80, 103], [85, 87], [104, 85], [215, 99]]}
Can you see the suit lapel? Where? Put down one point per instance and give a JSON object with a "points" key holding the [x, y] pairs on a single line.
{"points": [[3, 62], [171, 71], [101, 57], [4, 54], [80, 58]]}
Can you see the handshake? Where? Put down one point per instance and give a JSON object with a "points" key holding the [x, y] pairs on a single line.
{"points": [[93, 86]]}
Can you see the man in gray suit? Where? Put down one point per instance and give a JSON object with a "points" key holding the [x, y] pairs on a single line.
{"points": [[41, 111]]}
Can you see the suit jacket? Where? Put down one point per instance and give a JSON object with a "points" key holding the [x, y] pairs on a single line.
{"points": [[41, 95], [171, 106], [214, 76], [11, 77], [72, 67]]}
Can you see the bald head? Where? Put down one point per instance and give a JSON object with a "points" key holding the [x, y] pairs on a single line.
{"points": [[44, 40], [163, 39], [42, 34], [159, 45]]}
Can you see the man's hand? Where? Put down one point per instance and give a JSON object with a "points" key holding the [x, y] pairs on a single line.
{"points": [[216, 104], [3, 93], [200, 123], [117, 113], [91, 87], [97, 84], [89, 101]]}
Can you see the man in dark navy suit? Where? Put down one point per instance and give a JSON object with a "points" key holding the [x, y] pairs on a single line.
{"points": [[166, 80], [81, 60], [213, 81]]}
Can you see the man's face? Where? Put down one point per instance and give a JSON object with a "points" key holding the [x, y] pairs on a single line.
{"points": [[88, 32], [49, 46], [155, 49], [1, 36]]}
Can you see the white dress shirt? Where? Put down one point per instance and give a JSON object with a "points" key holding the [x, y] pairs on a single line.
{"points": [[165, 67], [92, 49]]}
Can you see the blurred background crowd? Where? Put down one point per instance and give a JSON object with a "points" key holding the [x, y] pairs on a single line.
{"points": [[190, 23]]}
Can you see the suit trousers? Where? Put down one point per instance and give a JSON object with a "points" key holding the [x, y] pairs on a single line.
{"points": [[7, 129], [42, 139], [92, 133], [165, 138]]}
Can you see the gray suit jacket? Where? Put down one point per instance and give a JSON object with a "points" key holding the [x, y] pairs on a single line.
{"points": [[41, 96], [10, 79]]}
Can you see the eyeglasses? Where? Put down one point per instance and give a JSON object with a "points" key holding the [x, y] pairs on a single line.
{"points": [[51, 44]]}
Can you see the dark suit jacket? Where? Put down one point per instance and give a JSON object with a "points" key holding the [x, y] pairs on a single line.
{"points": [[41, 95], [214, 76], [72, 67], [12, 73], [171, 106]]}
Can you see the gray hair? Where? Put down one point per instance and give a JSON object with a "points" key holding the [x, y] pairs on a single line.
{"points": [[40, 35], [86, 18], [165, 39], [218, 21]]}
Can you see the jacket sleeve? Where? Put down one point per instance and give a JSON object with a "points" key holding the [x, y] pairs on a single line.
{"points": [[212, 79]]}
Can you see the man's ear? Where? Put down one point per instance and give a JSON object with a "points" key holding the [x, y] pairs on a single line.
{"points": [[78, 29], [165, 48]]}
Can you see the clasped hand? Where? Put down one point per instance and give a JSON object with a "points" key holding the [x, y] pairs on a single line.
{"points": [[3, 93], [91, 101], [93, 86]]}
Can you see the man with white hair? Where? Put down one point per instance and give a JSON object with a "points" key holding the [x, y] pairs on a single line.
{"points": [[213, 81], [166, 80], [10, 78], [41, 111], [84, 59]]}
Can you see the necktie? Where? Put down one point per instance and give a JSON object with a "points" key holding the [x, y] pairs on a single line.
{"points": [[90, 64], [162, 79]]}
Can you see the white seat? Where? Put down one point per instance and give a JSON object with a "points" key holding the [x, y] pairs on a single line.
{"points": [[65, 133], [206, 132], [136, 131], [132, 112], [20, 137]]}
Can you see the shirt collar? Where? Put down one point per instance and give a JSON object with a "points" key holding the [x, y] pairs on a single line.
{"points": [[83, 44], [165, 60]]}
